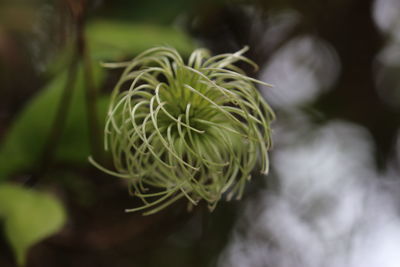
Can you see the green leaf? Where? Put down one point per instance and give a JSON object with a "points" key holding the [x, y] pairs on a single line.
{"points": [[112, 40], [23, 145], [29, 217]]}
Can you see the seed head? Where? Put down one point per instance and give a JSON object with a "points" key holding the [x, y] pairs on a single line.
{"points": [[193, 130]]}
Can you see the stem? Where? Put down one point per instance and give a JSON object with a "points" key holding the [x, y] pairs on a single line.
{"points": [[80, 52], [57, 125], [91, 98]]}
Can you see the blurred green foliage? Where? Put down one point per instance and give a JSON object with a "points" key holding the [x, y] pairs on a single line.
{"points": [[29, 217], [24, 142], [110, 40], [114, 40], [155, 11]]}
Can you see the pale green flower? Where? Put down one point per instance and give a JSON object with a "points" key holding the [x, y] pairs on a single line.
{"points": [[193, 130]]}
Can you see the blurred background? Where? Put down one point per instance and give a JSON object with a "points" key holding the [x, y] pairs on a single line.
{"points": [[332, 197]]}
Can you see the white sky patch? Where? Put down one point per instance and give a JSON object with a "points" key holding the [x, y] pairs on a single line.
{"points": [[386, 14], [398, 148], [331, 210], [300, 71]]}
